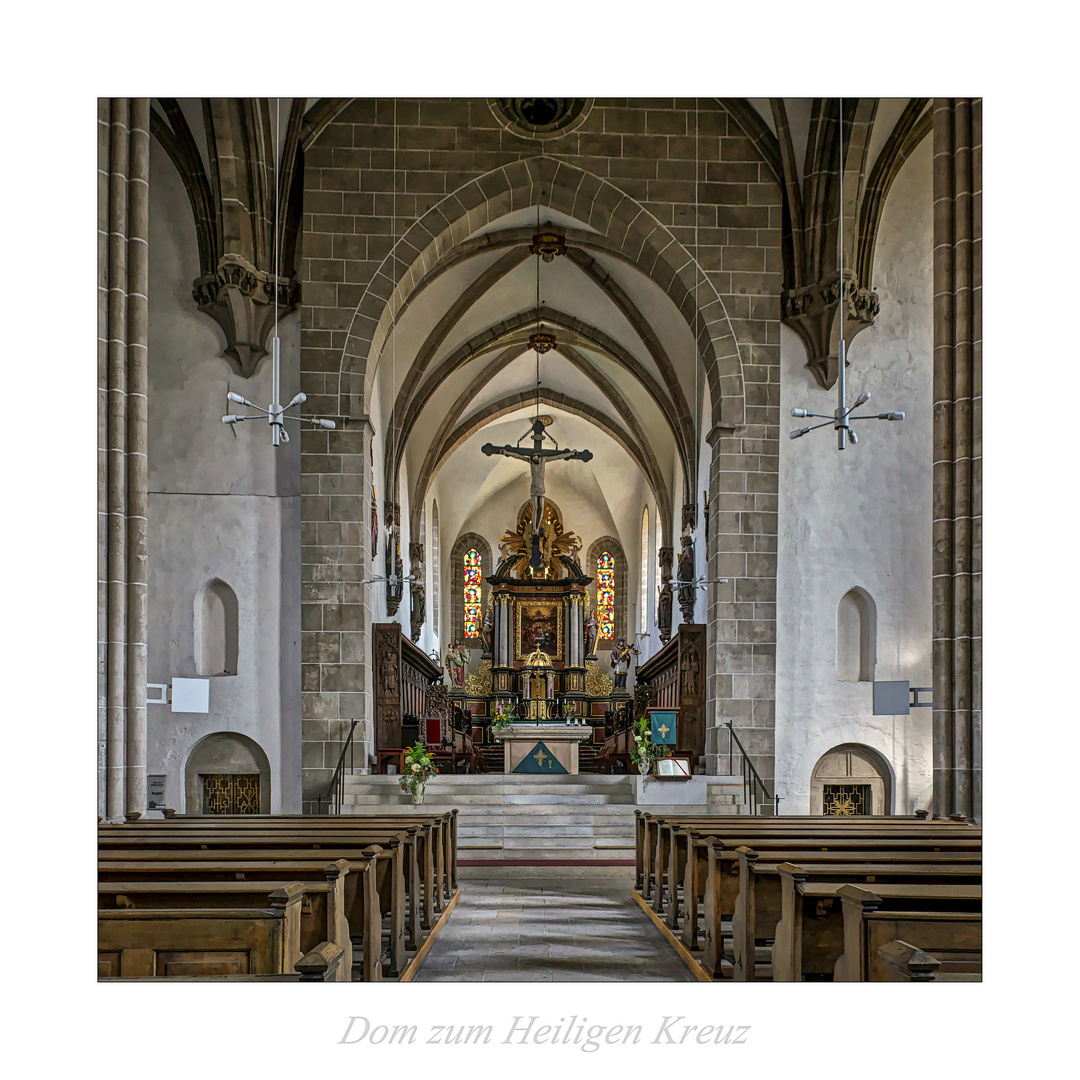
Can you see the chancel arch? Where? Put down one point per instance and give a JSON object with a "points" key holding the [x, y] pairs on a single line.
{"points": [[465, 543], [851, 780], [623, 225]]}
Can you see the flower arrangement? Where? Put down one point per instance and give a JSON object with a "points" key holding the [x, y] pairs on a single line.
{"points": [[419, 768], [503, 717], [644, 751]]}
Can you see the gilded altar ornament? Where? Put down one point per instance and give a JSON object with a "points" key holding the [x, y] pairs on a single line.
{"points": [[558, 547], [597, 684], [478, 683]]}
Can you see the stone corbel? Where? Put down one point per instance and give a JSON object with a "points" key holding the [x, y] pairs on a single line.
{"points": [[811, 312], [240, 299]]}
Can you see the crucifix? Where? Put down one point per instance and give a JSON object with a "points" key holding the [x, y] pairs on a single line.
{"points": [[537, 457]]}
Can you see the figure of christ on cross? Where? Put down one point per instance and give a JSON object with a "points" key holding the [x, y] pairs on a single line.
{"points": [[537, 458]]}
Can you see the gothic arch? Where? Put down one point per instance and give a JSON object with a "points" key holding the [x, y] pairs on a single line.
{"points": [[230, 753], [622, 582], [463, 543], [620, 222], [567, 352], [555, 399], [853, 765]]}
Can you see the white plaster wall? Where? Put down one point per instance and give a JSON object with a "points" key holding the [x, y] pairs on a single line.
{"points": [[223, 503], [242, 540], [862, 516]]}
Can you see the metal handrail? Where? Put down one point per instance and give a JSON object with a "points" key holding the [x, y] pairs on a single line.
{"points": [[335, 792], [749, 774]]}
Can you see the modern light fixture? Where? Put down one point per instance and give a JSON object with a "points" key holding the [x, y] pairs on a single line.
{"points": [[276, 413], [842, 417]]}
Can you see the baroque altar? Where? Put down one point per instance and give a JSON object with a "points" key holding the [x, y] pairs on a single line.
{"points": [[538, 641]]}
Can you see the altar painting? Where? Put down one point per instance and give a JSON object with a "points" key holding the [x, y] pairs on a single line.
{"points": [[539, 626]]}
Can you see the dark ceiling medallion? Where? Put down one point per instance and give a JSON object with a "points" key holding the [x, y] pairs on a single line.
{"points": [[547, 245], [541, 117], [543, 342]]}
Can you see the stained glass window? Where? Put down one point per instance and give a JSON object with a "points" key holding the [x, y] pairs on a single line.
{"points": [[473, 592], [605, 594]]}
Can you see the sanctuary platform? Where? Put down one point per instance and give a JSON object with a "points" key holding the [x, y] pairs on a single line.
{"points": [[547, 820]]}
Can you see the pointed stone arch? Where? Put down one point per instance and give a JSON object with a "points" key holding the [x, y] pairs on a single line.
{"points": [[620, 220]]}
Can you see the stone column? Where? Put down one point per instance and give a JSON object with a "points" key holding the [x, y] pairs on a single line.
{"points": [[957, 484], [123, 233]]}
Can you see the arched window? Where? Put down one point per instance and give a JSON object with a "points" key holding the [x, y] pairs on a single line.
{"points": [[643, 597], [605, 594], [435, 568], [606, 562], [856, 637], [217, 630], [472, 565], [468, 564]]}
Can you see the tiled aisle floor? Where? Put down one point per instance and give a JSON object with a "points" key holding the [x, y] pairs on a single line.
{"points": [[543, 925]]}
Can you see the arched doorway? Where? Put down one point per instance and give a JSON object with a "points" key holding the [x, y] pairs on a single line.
{"points": [[851, 780], [227, 773]]}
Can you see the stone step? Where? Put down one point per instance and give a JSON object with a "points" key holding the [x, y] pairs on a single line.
{"points": [[544, 829], [448, 801]]}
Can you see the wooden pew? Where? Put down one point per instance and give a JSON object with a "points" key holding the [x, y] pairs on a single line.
{"points": [[392, 870], [203, 941], [440, 831], [810, 934], [657, 837], [322, 964], [943, 920], [722, 881], [322, 914], [422, 890], [759, 905], [667, 866], [905, 963], [353, 881]]}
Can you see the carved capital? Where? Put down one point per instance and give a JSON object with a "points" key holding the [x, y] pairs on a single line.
{"points": [[240, 299], [811, 311]]}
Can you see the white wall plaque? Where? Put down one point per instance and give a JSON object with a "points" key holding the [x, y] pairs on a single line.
{"points": [[191, 695]]}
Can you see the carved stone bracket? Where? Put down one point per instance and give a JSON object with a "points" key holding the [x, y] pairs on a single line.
{"points": [[240, 299], [811, 312], [689, 517]]}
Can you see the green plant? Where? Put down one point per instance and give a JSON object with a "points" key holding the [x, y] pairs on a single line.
{"points": [[419, 768], [644, 751], [503, 717]]}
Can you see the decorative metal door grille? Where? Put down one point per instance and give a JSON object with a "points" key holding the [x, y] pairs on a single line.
{"points": [[846, 800], [225, 794]]}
